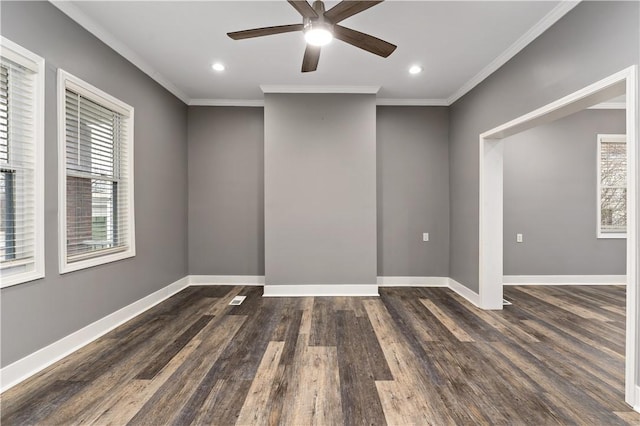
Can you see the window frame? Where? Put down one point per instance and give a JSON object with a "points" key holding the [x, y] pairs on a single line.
{"points": [[69, 81], [18, 54], [607, 138]]}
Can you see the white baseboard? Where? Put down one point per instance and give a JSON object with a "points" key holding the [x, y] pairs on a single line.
{"points": [[636, 407], [413, 281], [249, 280], [564, 280], [465, 292], [308, 290], [22, 369], [257, 280]]}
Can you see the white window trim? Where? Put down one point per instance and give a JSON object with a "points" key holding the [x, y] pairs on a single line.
{"points": [[35, 63], [613, 138], [66, 80]]}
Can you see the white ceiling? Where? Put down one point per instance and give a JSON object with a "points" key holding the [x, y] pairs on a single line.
{"points": [[458, 43]]}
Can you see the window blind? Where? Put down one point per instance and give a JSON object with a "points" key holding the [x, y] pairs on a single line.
{"points": [[613, 186], [17, 167], [96, 178]]}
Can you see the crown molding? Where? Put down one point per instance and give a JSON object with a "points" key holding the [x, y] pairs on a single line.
{"points": [[227, 102], [411, 102], [540, 27], [260, 102], [69, 9], [367, 90]]}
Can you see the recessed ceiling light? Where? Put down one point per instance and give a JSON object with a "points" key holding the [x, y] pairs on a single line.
{"points": [[217, 66], [415, 69]]}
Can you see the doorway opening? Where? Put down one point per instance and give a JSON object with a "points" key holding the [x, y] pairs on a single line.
{"points": [[491, 202]]}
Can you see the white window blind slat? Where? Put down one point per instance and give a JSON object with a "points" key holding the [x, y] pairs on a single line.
{"points": [[97, 176], [17, 168]]}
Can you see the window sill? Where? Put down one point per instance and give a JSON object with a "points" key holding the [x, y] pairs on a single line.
{"points": [[20, 278], [611, 236], [66, 267]]}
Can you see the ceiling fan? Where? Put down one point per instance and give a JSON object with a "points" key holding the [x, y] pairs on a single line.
{"points": [[320, 26]]}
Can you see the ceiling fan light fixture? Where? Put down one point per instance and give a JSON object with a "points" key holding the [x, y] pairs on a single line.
{"points": [[415, 69], [318, 35]]}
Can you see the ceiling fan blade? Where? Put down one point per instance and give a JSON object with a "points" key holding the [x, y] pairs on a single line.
{"points": [[303, 8], [363, 41], [347, 8], [259, 32], [311, 58]]}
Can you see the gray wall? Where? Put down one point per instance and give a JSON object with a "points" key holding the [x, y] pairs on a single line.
{"points": [[413, 191], [550, 196], [320, 189], [593, 41], [38, 313], [226, 191]]}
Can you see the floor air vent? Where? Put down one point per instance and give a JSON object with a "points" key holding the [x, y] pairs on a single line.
{"points": [[237, 300], [505, 302]]}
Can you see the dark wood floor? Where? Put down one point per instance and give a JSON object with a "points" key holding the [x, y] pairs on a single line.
{"points": [[412, 356]]}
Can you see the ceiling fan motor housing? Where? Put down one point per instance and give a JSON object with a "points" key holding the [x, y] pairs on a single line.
{"points": [[318, 6], [320, 22]]}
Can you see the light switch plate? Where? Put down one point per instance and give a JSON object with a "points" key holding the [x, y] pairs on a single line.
{"points": [[518, 238], [425, 236]]}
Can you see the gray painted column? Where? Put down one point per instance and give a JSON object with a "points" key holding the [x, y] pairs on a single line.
{"points": [[320, 189]]}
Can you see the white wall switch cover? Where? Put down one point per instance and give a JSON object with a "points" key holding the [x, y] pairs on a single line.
{"points": [[518, 238], [425, 236]]}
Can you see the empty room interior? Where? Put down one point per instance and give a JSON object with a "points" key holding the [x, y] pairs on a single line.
{"points": [[340, 212]]}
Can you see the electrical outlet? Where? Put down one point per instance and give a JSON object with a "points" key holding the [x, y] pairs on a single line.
{"points": [[518, 238], [425, 236]]}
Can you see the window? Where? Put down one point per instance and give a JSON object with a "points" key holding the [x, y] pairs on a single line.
{"points": [[612, 186], [96, 179], [21, 165]]}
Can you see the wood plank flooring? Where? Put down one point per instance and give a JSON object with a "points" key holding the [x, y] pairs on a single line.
{"points": [[413, 356]]}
